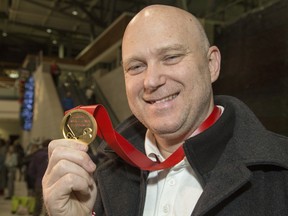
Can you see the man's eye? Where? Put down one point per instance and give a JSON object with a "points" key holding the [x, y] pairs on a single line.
{"points": [[172, 59], [135, 69]]}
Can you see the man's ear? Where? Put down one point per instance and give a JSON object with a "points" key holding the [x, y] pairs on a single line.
{"points": [[214, 58]]}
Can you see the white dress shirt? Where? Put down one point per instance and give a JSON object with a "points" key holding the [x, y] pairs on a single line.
{"points": [[173, 191]]}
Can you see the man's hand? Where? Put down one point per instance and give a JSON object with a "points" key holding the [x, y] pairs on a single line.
{"points": [[68, 184]]}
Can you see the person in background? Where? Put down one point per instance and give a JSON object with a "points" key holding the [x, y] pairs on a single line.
{"points": [[30, 180], [67, 101], [55, 72], [36, 170], [228, 163], [3, 150], [90, 95], [11, 166], [20, 156]]}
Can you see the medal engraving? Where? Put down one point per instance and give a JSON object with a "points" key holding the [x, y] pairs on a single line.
{"points": [[80, 125]]}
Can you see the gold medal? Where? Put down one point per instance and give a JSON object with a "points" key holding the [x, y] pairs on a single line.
{"points": [[80, 125]]}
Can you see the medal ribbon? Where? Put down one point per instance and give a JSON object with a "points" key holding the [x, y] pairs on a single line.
{"points": [[127, 151]]}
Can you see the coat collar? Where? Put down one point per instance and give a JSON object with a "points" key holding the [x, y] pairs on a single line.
{"points": [[222, 155]]}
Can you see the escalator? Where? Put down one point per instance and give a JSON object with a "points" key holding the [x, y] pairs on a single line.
{"points": [[71, 84]]}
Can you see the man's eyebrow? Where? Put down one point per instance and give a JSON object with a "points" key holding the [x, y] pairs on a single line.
{"points": [[174, 47]]}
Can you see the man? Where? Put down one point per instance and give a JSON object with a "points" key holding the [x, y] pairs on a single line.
{"points": [[235, 167]]}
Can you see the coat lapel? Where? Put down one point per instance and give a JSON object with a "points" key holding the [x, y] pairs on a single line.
{"points": [[222, 184]]}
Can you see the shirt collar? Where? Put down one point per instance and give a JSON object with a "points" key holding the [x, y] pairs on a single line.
{"points": [[154, 154], [151, 148]]}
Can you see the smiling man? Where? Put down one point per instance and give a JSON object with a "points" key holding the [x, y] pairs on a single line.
{"points": [[226, 162], [168, 73]]}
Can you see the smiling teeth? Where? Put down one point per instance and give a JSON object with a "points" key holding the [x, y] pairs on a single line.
{"points": [[165, 99]]}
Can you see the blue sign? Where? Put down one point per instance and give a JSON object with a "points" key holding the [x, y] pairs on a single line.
{"points": [[27, 105]]}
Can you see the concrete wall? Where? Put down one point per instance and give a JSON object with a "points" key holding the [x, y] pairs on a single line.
{"points": [[112, 85], [48, 112]]}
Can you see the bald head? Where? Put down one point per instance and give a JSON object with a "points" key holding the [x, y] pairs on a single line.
{"points": [[171, 19]]}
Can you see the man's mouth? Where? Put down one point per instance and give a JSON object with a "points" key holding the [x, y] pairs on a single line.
{"points": [[171, 97]]}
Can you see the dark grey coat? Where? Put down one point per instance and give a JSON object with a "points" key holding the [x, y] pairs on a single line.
{"points": [[243, 168]]}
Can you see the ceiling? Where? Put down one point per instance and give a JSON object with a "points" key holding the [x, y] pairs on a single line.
{"points": [[30, 26]]}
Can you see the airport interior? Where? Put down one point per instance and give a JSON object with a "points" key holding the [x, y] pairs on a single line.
{"points": [[81, 41]]}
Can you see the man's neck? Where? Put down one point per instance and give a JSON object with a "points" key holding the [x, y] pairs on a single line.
{"points": [[167, 146], [166, 151]]}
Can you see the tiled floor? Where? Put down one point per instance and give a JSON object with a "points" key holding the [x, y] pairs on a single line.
{"points": [[5, 205]]}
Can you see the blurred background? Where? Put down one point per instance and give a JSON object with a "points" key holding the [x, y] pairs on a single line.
{"points": [[57, 54]]}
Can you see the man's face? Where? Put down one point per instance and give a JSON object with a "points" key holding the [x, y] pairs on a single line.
{"points": [[167, 76]]}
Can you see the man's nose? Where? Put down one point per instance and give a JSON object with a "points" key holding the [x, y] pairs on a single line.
{"points": [[154, 77]]}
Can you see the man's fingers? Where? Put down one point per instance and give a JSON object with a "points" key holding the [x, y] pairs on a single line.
{"points": [[66, 167], [58, 195], [71, 151], [68, 143], [74, 183]]}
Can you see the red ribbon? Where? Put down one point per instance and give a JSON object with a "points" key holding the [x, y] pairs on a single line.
{"points": [[127, 151]]}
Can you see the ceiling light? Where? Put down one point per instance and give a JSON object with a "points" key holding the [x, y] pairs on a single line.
{"points": [[49, 31], [4, 34], [12, 73], [75, 12], [54, 41]]}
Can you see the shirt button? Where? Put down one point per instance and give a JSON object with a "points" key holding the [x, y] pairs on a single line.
{"points": [[172, 182], [166, 208]]}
